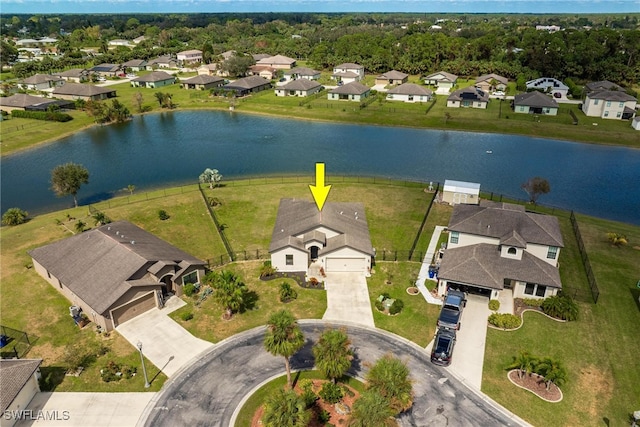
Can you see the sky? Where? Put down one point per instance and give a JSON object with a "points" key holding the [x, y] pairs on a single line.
{"points": [[324, 6]]}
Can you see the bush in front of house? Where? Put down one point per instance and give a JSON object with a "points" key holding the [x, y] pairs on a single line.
{"points": [[287, 293], [561, 307], [494, 305], [533, 302], [186, 316], [189, 289], [396, 307], [505, 320]]}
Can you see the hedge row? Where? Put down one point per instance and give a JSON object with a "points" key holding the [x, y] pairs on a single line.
{"points": [[42, 115]]}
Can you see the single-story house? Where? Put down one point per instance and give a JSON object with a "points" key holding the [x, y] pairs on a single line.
{"points": [[335, 239], [635, 123], [202, 82], [299, 87], [443, 82], [549, 85], [107, 70], [535, 103], [279, 62], [135, 65], [36, 42], [116, 271], [301, 73], [41, 82], [409, 92], [24, 102], [73, 91], [120, 42], [392, 77], [154, 80], [348, 72], [493, 247], [264, 71], [165, 61], [258, 56], [469, 97], [191, 56], [492, 82], [609, 104], [354, 91], [74, 75], [602, 85], [208, 69], [20, 383], [457, 192], [248, 85]]}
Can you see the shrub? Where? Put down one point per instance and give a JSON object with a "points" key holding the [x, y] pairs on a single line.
{"points": [[331, 393], [163, 215], [494, 305], [505, 320], [287, 293], [186, 316], [324, 416], [267, 269], [379, 305], [114, 372], [533, 302], [189, 289], [561, 307], [396, 307], [14, 216], [42, 115]]}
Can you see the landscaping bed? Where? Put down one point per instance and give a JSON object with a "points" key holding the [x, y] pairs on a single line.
{"points": [[536, 385]]}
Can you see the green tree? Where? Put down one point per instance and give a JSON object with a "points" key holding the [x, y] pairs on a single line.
{"points": [[14, 216], [211, 177], [552, 371], [229, 291], [389, 377], [333, 354], [524, 362], [283, 338], [535, 187], [371, 409], [287, 293], [285, 408], [68, 178], [561, 307], [101, 219]]}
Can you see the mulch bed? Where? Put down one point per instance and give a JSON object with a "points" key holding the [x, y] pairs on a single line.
{"points": [[519, 307], [535, 384], [299, 278]]}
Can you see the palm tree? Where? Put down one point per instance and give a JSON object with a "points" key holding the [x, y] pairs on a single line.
{"points": [[389, 376], [333, 354], [371, 409], [211, 177], [552, 371], [285, 408], [283, 338], [229, 291], [525, 363]]}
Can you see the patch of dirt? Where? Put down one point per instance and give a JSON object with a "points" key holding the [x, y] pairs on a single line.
{"points": [[595, 388], [334, 417], [536, 385]]}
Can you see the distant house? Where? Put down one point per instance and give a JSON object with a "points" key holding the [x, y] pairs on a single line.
{"points": [[264, 71], [602, 85], [535, 103], [107, 70], [248, 85], [24, 102], [392, 77], [460, 192], [301, 73], [443, 82], [41, 82], [154, 80], [73, 91], [409, 92], [202, 82], [469, 97], [336, 239], [119, 42], [135, 65], [74, 75], [492, 82], [354, 91], [116, 271], [279, 62], [299, 87], [499, 247], [20, 383], [186, 57], [348, 72], [549, 85], [609, 104], [208, 69], [164, 61], [549, 28]]}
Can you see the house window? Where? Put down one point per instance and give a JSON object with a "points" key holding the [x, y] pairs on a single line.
{"points": [[289, 259], [512, 251], [541, 290], [529, 288], [521, 108], [410, 97], [608, 103], [552, 252], [618, 114], [595, 102], [190, 278], [621, 104], [454, 237], [606, 114]]}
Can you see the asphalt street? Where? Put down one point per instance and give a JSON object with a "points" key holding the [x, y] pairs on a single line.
{"points": [[209, 391]]}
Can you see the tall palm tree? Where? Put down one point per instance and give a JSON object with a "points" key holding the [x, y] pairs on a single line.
{"points": [[389, 376], [285, 408], [371, 409], [211, 177], [283, 338], [333, 354]]}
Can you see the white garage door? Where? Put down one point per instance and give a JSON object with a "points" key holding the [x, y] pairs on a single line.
{"points": [[346, 264]]}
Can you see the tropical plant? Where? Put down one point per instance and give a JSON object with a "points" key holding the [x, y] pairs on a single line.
{"points": [[331, 393], [267, 269], [535, 187], [130, 188], [524, 362], [14, 216], [283, 338], [494, 305], [229, 290], [333, 354], [211, 177], [371, 409], [80, 226], [617, 239], [101, 219], [505, 320], [67, 179], [396, 307], [389, 377], [285, 408], [287, 293], [163, 215], [561, 306], [552, 371]]}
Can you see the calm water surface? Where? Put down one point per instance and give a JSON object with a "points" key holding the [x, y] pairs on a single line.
{"points": [[174, 148]]}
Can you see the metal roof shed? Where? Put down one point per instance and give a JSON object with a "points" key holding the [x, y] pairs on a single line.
{"points": [[457, 192]]}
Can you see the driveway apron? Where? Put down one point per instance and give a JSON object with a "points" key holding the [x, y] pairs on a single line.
{"points": [[348, 299]]}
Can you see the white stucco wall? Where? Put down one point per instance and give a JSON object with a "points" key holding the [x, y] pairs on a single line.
{"points": [[471, 239], [21, 401], [300, 260], [540, 251]]}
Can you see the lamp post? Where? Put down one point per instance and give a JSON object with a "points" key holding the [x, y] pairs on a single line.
{"points": [[144, 370]]}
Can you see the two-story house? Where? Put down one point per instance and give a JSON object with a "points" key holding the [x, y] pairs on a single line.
{"points": [[609, 104], [348, 72]]}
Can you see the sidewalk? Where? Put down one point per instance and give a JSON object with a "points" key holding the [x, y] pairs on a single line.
{"points": [[424, 268]]}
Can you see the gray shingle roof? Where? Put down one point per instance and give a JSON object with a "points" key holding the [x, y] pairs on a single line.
{"points": [[393, 75], [298, 218], [611, 95], [302, 71], [74, 72], [349, 65], [14, 374], [482, 265], [489, 77], [470, 93], [410, 89], [500, 220], [353, 88], [602, 85], [81, 89], [41, 78], [21, 100], [155, 76], [301, 84], [535, 99], [445, 76], [203, 79], [135, 63], [250, 82], [96, 265]]}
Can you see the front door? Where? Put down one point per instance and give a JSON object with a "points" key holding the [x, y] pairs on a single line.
{"points": [[314, 252]]}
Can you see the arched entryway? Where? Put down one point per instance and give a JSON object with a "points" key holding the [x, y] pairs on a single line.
{"points": [[167, 285], [313, 252]]}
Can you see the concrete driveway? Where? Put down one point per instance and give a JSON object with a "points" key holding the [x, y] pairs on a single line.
{"points": [[86, 409], [348, 299], [165, 343]]}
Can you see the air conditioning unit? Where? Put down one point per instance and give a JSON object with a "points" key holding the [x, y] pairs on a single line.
{"points": [[74, 311]]}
